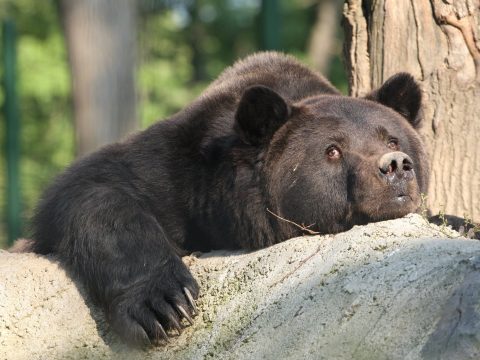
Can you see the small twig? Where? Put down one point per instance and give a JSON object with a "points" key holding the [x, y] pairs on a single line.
{"points": [[300, 264], [303, 261], [302, 227]]}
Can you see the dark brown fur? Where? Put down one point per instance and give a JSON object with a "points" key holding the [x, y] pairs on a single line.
{"points": [[258, 138]]}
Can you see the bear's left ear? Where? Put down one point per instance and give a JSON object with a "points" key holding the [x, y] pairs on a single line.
{"points": [[260, 113], [401, 93]]}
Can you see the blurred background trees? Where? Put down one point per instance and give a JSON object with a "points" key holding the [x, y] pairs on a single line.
{"points": [[90, 71]]}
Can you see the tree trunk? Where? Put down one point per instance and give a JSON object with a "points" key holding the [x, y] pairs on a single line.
{"points": [[323, 36], [196, 34], [438, 42], [101, 41]]}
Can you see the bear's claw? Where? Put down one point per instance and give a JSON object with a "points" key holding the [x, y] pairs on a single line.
{"points": [[161, 331], [176, 325], [191, 301], [184, 313]]}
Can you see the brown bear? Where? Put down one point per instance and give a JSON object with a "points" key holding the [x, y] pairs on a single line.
{"points": [[268, 141]]}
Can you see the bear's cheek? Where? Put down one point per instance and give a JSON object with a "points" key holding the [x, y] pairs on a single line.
{"points": [[378, 199], [316, 198]]}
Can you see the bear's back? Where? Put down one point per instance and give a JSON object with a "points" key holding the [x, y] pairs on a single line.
{"points": [[280, 72]]}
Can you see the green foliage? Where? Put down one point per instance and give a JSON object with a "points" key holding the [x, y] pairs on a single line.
{"points": [[43, 87], [182, 46], [165, 71]]}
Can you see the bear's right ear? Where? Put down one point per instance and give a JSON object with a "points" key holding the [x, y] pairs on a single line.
{"points": [[260, 113], [401, 93]]}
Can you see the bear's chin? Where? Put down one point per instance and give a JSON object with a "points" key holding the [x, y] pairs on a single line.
{"points": [[399, 206], [392, 207]]}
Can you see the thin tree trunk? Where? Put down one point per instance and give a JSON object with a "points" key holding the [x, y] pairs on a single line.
{"points": [[438, 42], [101, 40], [196, 33], [323, 36]]}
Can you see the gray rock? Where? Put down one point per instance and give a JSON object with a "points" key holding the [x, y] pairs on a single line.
{"points": [[399, 289]]}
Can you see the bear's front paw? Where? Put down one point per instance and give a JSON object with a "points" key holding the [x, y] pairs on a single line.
{"points": [[148, 312]]}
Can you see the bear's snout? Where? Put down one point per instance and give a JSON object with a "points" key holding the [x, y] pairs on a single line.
{"points": [[396, 166]]}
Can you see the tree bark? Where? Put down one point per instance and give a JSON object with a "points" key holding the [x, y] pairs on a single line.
{"points": [[101, 41], [400, 289], [438, 42]]}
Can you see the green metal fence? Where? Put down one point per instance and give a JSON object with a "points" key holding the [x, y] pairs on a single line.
{"points": [[12, 131], [270, 25]]}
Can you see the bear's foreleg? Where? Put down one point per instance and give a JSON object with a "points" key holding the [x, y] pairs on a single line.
{"points": [[122, 254]]}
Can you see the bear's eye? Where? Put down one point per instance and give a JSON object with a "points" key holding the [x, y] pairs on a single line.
{"points": [[393, 144], [333, 152]]}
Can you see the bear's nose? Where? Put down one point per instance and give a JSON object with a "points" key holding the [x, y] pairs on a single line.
{"points": [[396, 165]]}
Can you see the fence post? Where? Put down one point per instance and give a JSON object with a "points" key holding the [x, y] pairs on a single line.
{"points": [[270, 25], [12, 140]]}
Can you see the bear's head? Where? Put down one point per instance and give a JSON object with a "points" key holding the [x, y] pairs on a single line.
{"points": [[331, 161]]}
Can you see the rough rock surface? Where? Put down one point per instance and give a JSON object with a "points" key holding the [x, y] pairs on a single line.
{"points": [[400, 289]]}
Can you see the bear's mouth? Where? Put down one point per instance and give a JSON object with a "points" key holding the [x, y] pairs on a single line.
{"points": [[402, 198]]}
